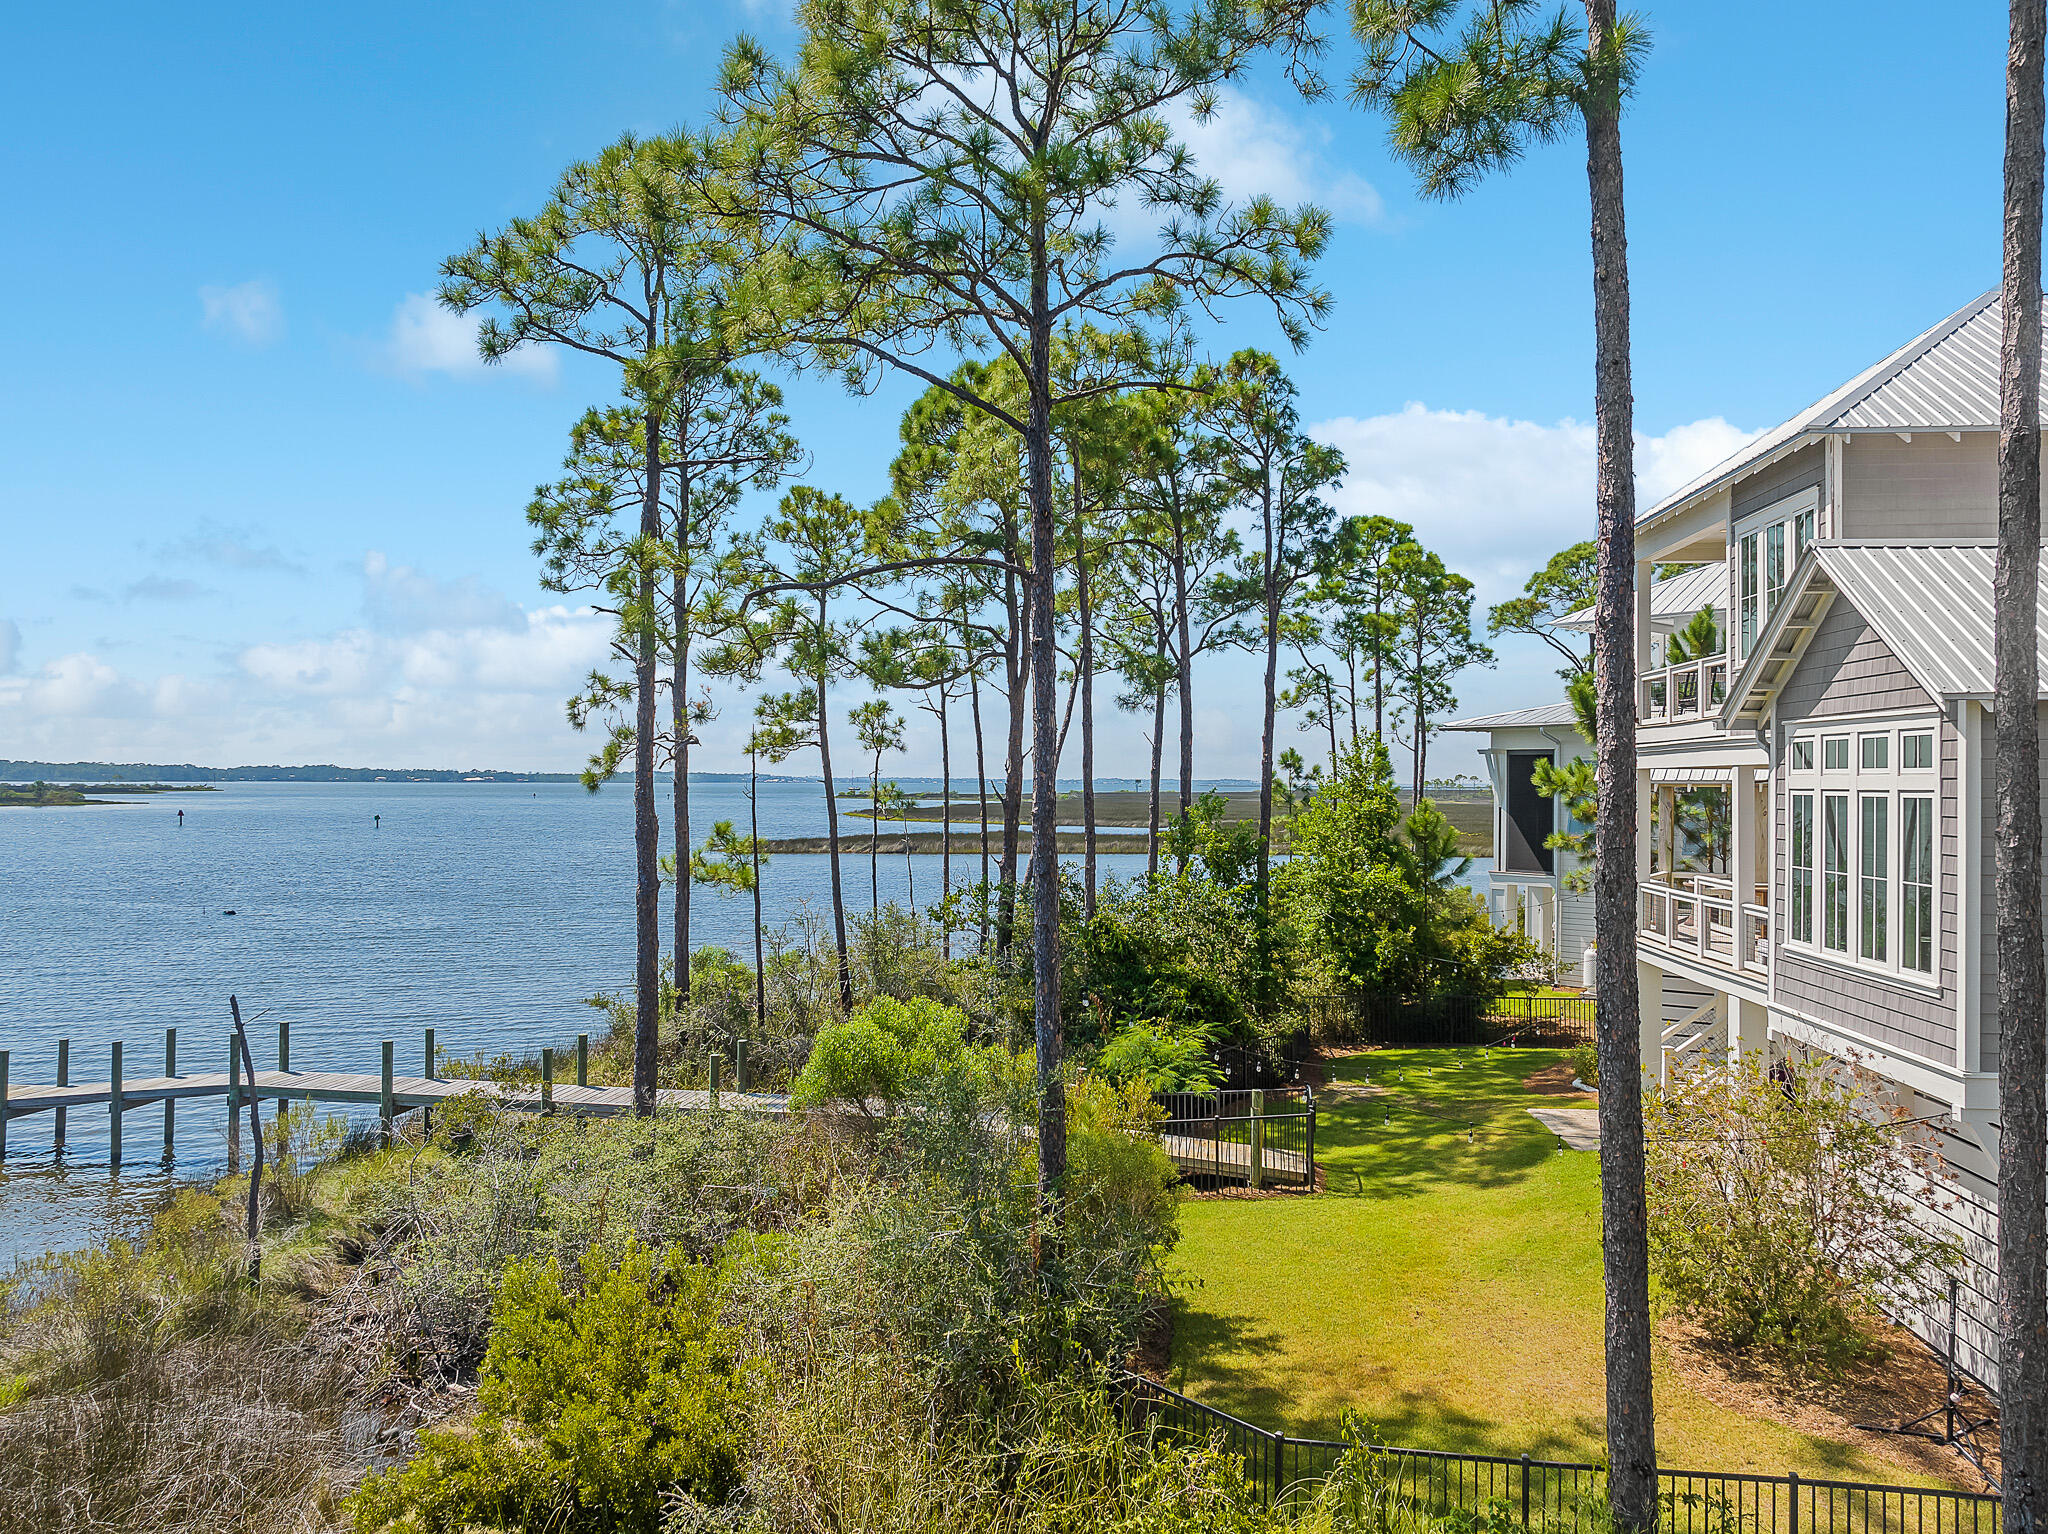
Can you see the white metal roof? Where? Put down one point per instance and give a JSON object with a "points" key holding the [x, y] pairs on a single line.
{"points": [[1929, 599], [1547, 716], [1944, 379], [1672, 601]]}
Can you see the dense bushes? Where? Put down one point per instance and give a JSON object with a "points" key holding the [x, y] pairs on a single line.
{"points": [[1784, 1204], [595, 1406]]}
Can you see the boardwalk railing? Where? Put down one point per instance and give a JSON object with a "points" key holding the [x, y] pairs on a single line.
{"points": [[1259, 1137], [1422, 1486]]}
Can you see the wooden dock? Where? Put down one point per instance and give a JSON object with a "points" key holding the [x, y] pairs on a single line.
{"points": [[1243, 1145]]}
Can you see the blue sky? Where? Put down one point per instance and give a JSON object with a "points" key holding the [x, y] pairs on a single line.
{"points": [[259, 503]]}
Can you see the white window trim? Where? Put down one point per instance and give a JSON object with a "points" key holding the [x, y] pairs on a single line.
{"points": [[1756, 522], [1895, 783]]}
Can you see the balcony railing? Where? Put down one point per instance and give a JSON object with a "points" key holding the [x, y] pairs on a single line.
{"points": [[1698, 915], [1683, 693]]}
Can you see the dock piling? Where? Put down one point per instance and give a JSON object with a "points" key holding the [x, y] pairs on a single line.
{"points": [[385, 1106], [170, 1104], [63, 1080], [739, 1065], [3, 1104], [284, 1047], [717, 1070], [582, 1059], [547, 1081], [114, 1109], [234, 1107], [427, 1114]]}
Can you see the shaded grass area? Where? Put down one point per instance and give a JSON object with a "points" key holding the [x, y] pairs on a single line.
{"points": [[1447, 1284]]}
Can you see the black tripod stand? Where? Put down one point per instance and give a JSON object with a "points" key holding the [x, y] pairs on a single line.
{"points": [[1959, 1426]]}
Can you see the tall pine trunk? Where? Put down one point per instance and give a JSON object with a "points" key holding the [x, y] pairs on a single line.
{"points": [[1013, 775], [646, 825], [980, 789], [946, 820], [875, 841], [1271, 711], [2022, 982], [1158, 750], [1187, 667], [832, 835], [679, 714], [1086, 681], [1045, 787], [754, 850], [1624, 1227]]}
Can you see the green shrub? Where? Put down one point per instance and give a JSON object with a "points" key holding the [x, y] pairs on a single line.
{"points": [[879, 1052], [1585, 1063], [593, 1407], [1159, 1057], [1783, 1207]]}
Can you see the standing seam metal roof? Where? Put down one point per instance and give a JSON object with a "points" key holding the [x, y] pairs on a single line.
{"points": [[1931, 600], [1944, 379], [1548, 714]]}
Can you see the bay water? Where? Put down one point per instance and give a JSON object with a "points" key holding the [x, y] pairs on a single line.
{"points": [[361, 912]]}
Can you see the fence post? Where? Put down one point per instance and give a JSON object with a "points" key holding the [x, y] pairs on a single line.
{"points": [[1525, 1491], [114, 1111], [234, 1107], [63, 1080], [582, 1059], [1311, 1139], [1258, 1139], [170, 1104], [547, 1081], [1793, 1480], [385, 1105]]}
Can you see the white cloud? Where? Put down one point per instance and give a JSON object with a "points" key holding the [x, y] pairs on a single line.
{"points": [[158, 588], [229, 549], [10, 644], [250, 311], [426, 338], [401, 600], [1498, 497], [1252, 149]]}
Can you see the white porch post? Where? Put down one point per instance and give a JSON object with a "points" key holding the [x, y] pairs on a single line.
{"points": [[1751, 1032], [1646, 571], [1742, 836], [1644, 798], [1650, 1021]]}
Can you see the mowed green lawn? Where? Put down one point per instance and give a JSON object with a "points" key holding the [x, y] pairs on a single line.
{"points": [[1446, 1285]]}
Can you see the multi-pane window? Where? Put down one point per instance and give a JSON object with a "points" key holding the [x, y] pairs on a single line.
{"points": [[1748, 593], [1916, 882], [1873, 896], [1764, 557], [1802, 864], [1869, 892], [1834, 872]]}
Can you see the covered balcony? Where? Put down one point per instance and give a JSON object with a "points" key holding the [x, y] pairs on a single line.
{"points": [[1701, 874]]}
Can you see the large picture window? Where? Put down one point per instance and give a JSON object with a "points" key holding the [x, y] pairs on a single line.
{"points": [[1869, 892], [1802, 868], [1767, 545], [1834, 864], [1916, 882]]}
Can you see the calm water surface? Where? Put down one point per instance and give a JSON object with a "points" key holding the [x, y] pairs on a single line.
{"points": [[363, 911]]}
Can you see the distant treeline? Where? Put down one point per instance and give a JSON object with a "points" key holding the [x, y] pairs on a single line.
{"points": [[185, 772]]}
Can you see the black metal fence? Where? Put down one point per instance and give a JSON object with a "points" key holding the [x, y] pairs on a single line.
{"points": [[1452, 1021], [1420, 1486], [1258, 1136]]}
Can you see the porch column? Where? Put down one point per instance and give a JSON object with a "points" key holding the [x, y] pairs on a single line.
{"points": [[1646, 572], [1650, 1032], [1742, 837], [1667, 831], [1645, 797], [1750, 1034]]}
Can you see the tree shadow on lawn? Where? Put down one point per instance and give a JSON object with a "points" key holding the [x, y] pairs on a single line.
{"points": [[1240, 1367], [1403, 1123]]}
